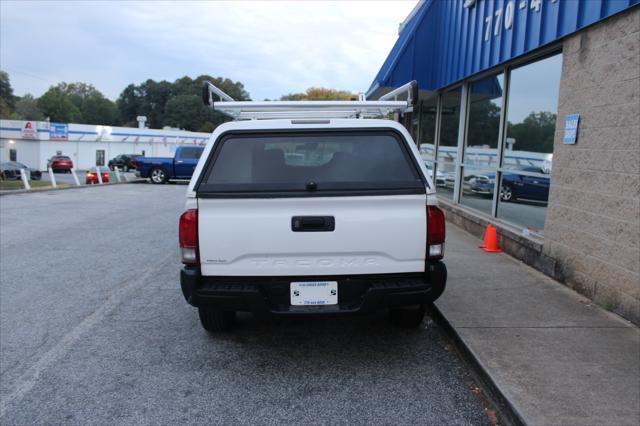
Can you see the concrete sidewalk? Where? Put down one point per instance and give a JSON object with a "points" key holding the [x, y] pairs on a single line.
{"points": [[556, 357]]}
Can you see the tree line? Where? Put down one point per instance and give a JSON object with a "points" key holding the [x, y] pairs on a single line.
{"points": [[174, 104]]}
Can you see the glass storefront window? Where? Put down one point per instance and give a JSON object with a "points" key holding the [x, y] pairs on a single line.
{"points": [[481, 149], [447, 148], [531, 103], [485, 108], [477, 188], [531, 124], [531, 119], [523, 199], [428, 114]]}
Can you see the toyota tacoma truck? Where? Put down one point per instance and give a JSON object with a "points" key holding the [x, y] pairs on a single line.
{"points": [[309, 209], [311, 217], [162, 169]]}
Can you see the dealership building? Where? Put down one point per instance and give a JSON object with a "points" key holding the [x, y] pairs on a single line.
{"points": [[529, 119], [34, 142]]}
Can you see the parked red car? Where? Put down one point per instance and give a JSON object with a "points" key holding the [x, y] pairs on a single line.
{"points": [[60, 163], [92, 175]]}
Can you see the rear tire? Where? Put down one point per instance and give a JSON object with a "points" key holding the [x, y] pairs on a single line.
{"points": [[409, 317], [214, 320], [507, 194], [158, 175]]}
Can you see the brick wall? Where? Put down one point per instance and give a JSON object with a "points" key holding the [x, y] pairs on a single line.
{"points": [[593, 220]]}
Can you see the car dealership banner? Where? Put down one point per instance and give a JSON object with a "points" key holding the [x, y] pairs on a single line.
{"points": [[58, 131]]}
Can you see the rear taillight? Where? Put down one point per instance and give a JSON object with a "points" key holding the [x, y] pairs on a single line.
{"points": [[435, 233], [188, 233]]}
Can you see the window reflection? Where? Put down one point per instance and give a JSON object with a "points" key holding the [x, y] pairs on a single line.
{"points": [[428, 111], [531, 119], [485, 108], [447, 149], [438, 177], [523, 199], [449, 129], [477, 188], [530, 123]]}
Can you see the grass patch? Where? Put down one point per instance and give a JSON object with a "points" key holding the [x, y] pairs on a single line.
{"points": [[8, 185], [609, 305]]}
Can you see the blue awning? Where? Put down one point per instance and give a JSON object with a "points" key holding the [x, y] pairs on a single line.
{"points": [[397, 68], [448, 41]]}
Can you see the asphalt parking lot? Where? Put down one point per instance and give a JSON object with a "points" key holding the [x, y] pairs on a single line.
{"points": [[94, 330]]}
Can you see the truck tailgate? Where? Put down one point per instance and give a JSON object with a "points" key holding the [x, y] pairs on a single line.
{"points": [[255, 237]]}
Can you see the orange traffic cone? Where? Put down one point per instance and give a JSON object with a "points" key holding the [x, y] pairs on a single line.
{"points": [[491, 241], [484, 237]]}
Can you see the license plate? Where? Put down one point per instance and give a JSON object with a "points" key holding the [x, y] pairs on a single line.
{"points": [[309, 293]]}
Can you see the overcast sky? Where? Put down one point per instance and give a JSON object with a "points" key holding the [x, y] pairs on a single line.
{"points": [[273, 47]]}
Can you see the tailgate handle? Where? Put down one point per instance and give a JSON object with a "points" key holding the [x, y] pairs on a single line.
{"points": [[313, 224]]}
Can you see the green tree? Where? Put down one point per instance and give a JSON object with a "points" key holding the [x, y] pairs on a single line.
{"points": [[320, 94], [94, 107], [129, 105], [535, 133], [56, 105], [27, 109], [176, 104], [5, 111], [484, 123], [185, 112], [7, 100]]}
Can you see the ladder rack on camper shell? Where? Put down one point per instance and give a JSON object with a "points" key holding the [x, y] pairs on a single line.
{"points": [[256, 110]]}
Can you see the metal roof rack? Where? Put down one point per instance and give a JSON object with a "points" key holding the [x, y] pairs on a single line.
{"points": [[257, 110]]}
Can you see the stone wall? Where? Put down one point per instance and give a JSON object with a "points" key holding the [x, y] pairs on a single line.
{"points": [[592, 228]]}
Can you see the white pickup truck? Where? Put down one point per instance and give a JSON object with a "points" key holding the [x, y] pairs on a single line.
{"points": [[311, 217]]}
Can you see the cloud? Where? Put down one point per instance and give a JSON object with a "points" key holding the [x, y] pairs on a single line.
{"points": [[273, 47]]}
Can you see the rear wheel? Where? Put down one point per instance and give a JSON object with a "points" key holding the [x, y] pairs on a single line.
{"points": [[409, 317], [158, 175], [506, 193], [215, 320]]}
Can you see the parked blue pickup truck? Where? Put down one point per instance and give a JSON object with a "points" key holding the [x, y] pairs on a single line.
{"points": [[162, 169]]}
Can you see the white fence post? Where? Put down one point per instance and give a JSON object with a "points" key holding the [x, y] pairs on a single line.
{"points": [[117, 170], [99, 174], [75, 176], [52, 176], [25, 179]]}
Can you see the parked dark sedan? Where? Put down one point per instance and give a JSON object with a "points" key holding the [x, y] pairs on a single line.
{"points": [[514, 187], [124, 162], [10, 170]]}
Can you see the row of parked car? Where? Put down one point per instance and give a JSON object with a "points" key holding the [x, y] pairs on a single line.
{"points": [[12, 170], [64, 164], [513, 187]]}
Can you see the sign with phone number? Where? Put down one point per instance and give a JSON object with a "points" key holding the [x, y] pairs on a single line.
{"points": [[504, 18]]}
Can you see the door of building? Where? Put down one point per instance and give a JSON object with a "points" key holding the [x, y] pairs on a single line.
{"points": [[100, 157]]}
